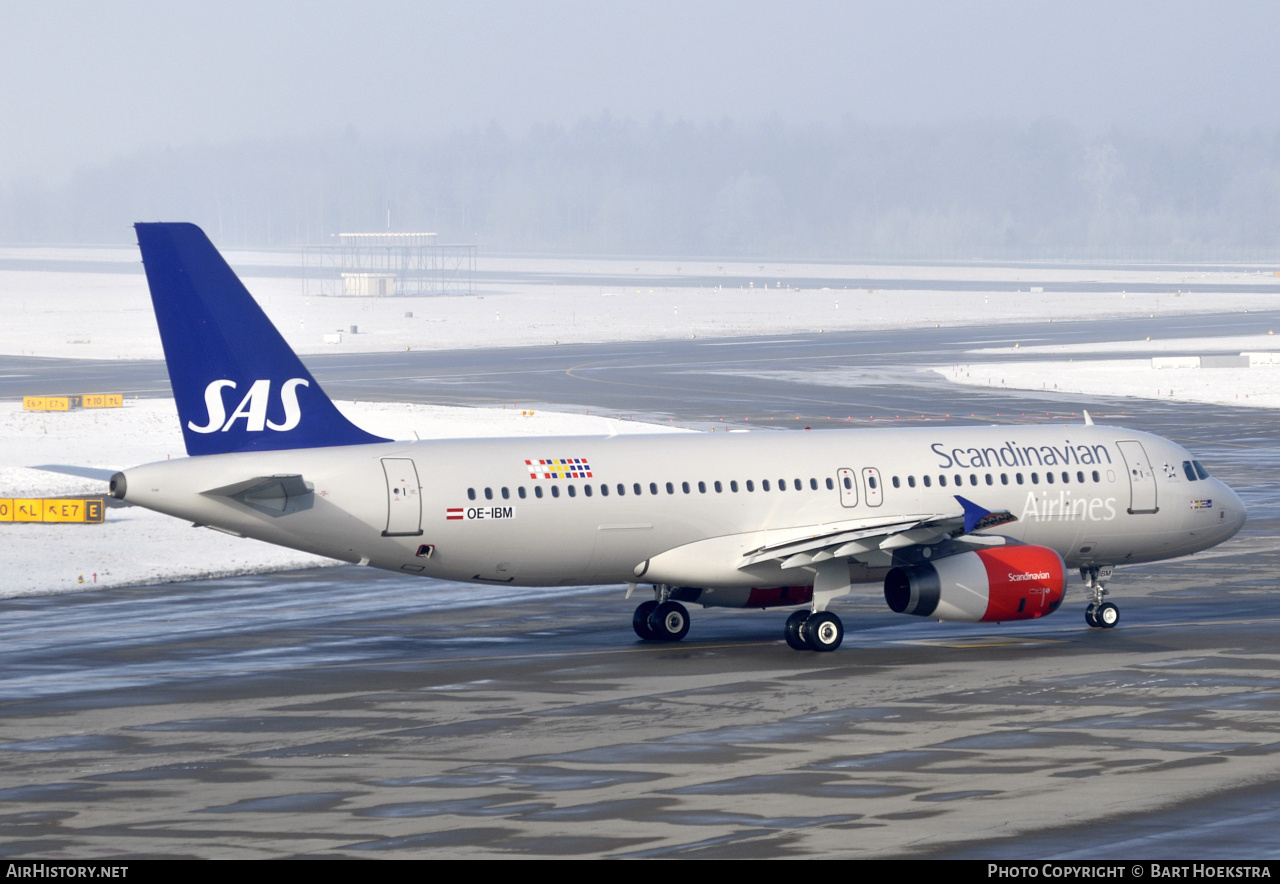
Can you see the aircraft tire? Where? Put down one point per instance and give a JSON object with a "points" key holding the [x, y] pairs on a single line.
{"points": [[640, 620], [823, 631], [669, 622], [795, 631], [1108, 615], [1091, 616]]}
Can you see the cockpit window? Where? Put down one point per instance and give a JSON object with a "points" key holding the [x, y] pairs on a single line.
{"points": [[1189, 470], [1200, 470]]}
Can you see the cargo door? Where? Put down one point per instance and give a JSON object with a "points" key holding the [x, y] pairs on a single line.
{"points": [[404, 498]]}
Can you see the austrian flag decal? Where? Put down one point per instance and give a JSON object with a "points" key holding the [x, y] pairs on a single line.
{"points": [[559, 468], [453, 512]]}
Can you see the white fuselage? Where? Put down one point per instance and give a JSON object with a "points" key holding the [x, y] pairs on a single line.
{"points": [[682, 509]]}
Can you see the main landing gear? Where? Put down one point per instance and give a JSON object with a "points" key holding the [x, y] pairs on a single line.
{"points": [[1099, 614], [814, 631], [661, 620]]}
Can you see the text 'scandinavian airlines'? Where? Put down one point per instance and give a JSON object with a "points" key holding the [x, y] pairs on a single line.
{"points": [[956, 523]]}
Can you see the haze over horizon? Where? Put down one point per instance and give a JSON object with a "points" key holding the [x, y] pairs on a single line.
{"points": [[733, 128]]}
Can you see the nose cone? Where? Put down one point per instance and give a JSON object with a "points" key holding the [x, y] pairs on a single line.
{"points": [[1234, 519]]}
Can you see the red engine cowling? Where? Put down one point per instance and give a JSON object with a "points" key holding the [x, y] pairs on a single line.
{"points": [[999, 583]]}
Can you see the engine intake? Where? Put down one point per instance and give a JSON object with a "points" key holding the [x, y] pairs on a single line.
{"points": [[997, 584]]}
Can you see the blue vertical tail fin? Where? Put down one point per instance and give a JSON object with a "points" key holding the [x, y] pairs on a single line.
{"points": [[238, 385]]}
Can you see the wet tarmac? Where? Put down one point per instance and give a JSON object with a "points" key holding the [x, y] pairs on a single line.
{"points": [[346, 712]]}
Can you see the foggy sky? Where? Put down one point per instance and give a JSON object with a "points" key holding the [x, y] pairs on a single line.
{"points": [[85, 83]]}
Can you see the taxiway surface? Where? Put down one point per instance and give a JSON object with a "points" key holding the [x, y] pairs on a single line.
{"points": [[347, 712]]}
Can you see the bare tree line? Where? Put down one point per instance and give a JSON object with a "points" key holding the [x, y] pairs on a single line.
{"points": [[841, 191]]}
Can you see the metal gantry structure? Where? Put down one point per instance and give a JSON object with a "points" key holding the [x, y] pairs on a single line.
{"points": [[389, 265]]}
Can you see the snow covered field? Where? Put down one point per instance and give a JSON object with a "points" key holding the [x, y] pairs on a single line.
{"points": [[136, 546], [108, 315], [1076, 369]]}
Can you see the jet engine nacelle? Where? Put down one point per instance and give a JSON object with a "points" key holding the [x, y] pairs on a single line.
{"points": [[1000, 583]]}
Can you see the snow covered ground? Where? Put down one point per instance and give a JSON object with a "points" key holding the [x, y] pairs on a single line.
{"points": [[108, 314], [136, 546], [1073, 371]]}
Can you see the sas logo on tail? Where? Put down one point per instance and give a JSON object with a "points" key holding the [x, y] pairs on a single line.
{"points": [[253, 407]]}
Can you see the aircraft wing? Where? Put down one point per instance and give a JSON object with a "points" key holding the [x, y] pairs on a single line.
{"points": [[887, 535]]}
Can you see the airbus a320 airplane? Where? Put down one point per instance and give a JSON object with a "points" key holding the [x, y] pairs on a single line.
{"points": [[957, 523]]}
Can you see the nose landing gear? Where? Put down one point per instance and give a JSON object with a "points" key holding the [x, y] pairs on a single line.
{"points": [[1099, 614]]}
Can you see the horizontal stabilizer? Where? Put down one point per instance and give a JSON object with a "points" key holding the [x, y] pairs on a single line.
{"points": [[82, 472]]}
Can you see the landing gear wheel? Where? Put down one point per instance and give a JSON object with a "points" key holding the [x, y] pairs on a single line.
{"points": [[795, 631], [640, 620], [1108, 615], [669, 622], [1091, 616], [823, 631]]}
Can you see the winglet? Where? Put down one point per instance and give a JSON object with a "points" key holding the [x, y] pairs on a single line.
{"points": [[1088, 421], [977, 518], [221, 350]]}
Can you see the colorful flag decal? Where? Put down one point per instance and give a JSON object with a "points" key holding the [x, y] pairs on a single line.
{"points": [[559, 468], [453, 512]]}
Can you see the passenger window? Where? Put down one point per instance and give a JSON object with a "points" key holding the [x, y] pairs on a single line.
{"points": [[586, 489], [1004, 478], [764, 484], [848, 483], [653, 487], [1096, 477], [799, 485], [488, 494], [782, 484], [959, 480], [1048, 477], [990, 480], [813, 484], [973, 478], [573, 492], [471, 494], [622, 490], [1035, 478], [520, 492], [1080, 477], [928, 483], [537, 491], [896, 483], [942, 482], [831, 486], [684, 486], [719, 487], [671, 489], [750, 486], [636, 488], [1066, 477], [1018, 477], [702, 487], [555, 490], [506, 495], [911, 481]]}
